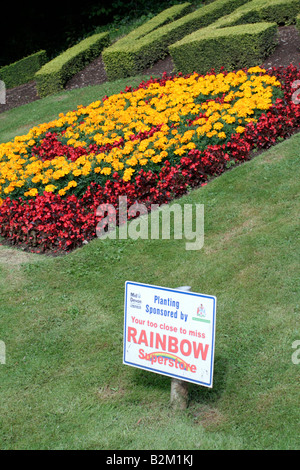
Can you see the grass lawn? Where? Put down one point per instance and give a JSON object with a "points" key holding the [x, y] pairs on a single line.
{"points": [[64, 385]]}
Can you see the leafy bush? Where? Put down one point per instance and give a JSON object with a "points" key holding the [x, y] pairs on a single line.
{"points": [[273, 11], [278, 11], [150, 42], [52, 77], [233, 47], [128, 56], [298, 22], [222, 45], [22, 71]]}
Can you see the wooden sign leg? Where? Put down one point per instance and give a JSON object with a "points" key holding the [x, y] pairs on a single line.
{"points": [[179, 388]]}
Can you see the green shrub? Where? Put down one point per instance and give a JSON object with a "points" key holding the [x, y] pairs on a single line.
{"points": [[282, 12], [298, 22], [52, 77], [232, 47], [273, 11], [194, 53], [123, 58], [150, 42], [23, 70]]}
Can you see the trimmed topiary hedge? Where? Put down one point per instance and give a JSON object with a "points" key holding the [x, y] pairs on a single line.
{"points": [[222, 45], [127, 56], [52, 77], [281, 12], [22, 71], [149, 42], [233, 47], [298, 22]]}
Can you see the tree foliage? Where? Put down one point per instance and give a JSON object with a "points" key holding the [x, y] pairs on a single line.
{"points": [[54, 26]]}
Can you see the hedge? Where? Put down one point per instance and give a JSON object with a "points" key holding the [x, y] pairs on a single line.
{"points": [[187, 57], [281, 12], [52, 77], [144, 46], [22, 71], [298, 22], [233, 47], [119, 59]]}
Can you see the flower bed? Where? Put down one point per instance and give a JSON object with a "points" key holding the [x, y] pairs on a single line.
{"points": [[151, 144]]}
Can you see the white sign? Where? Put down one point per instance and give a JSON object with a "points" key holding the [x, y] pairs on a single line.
{"points": [[170, 332]]}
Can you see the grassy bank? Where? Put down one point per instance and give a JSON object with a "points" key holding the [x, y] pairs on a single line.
{"points": [[64, 385]]}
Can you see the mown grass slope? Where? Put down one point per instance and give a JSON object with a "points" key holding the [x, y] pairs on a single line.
{"points": [[64, 385]]}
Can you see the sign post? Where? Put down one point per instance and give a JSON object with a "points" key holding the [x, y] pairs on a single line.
{"points": [[180, 388], [170, 332]]}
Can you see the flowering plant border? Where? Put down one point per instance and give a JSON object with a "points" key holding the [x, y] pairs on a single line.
{"points": [[50, 223]]}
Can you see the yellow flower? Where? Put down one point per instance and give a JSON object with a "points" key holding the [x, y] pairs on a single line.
{"points": [[256, 69], [106, 171], [156, 159], [211, 134], [50, 188], [180, 151], [222, 135], [32, 192], [85, 169], [128, 174], [132, 161], [218, 126], [36, 178], [191, 145], [229, 119]]}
